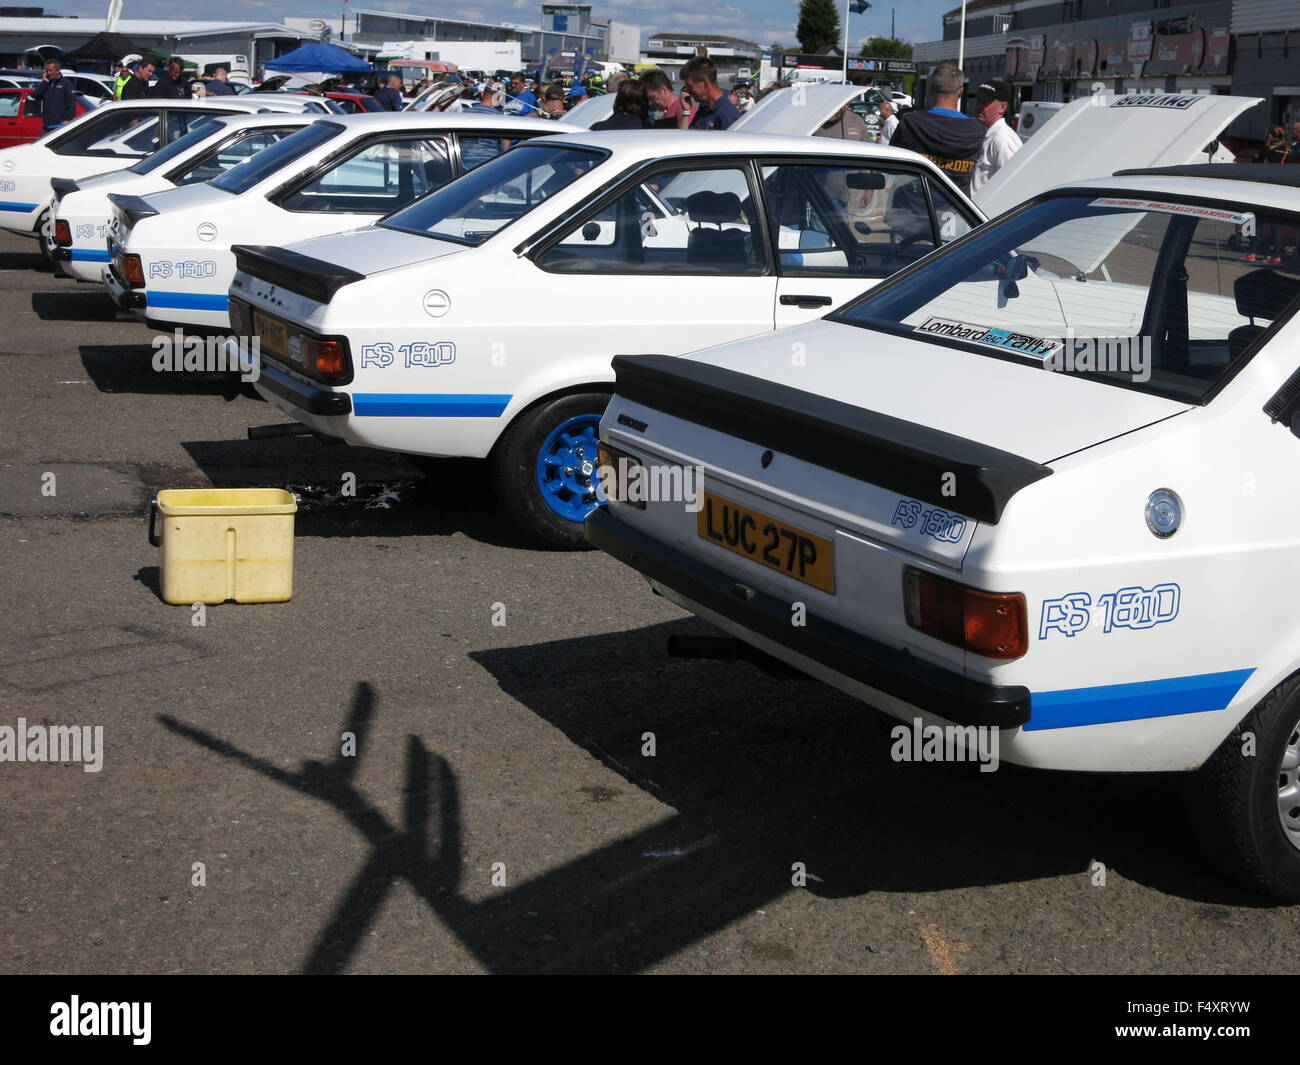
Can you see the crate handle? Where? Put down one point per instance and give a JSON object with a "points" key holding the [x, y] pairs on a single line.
{"points": [[154, 538]]}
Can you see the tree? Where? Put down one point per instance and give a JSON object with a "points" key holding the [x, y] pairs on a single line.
{"points": [[886, 48], [777, 48], [819, 25]]}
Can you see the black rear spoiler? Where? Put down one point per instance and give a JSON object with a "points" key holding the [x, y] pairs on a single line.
{"points": [[913, 460], [133, 207], [62, 186], [314, 278]]}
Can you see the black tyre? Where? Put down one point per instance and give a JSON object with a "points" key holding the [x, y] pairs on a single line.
{"points": [[1246, 806], [544, 468]]}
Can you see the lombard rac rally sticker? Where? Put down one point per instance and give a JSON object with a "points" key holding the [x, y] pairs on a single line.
{"points": [[1214, 214], [1009, 340]]}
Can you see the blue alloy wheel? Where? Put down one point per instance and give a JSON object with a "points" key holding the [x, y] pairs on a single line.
{"points": [[567, 463]]}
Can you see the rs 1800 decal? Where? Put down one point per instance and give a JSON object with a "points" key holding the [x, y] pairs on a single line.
{"points": [[1127, 608], [416, 353], [935, 522]]}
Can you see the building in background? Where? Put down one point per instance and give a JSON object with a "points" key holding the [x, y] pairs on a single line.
{"points": [[1061, 49], [734, 57]]}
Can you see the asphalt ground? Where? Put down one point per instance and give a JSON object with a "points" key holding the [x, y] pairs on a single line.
{"points": [[500, 813]]}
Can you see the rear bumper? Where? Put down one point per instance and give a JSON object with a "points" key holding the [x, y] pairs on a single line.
{"points": [[935, 689], [311, 399], [128, 299]]}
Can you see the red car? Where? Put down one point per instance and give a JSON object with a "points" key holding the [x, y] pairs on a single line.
{"points": [[355, 103], [20, 116]]}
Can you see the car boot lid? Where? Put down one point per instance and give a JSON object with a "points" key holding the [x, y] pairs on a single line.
{"points": [[1094, 136], [1029, 412]]}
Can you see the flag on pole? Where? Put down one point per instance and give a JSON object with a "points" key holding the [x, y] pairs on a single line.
{"points": [[858, 7]]}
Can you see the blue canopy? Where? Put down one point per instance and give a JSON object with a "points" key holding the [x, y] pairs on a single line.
{"points": [[319, 56]]}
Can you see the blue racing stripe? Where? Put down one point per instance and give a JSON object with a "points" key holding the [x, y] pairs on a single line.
{"points": [[437, 405], [1131, 702], [87, 255], [188, 301], [24, 207]]}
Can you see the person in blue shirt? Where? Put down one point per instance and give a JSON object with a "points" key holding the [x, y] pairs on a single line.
{"points": [[522, 100], [715, 109], [390, 96]]}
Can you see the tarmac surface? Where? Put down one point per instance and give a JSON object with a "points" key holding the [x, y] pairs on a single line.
{"points": [[500, 812]]}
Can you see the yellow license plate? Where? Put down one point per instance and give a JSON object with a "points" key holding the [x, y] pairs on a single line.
{"points": [[273, 332], [775, 544]]}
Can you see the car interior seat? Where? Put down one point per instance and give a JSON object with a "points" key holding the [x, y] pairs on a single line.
{"points": [[715, 247], [1259, 294]]}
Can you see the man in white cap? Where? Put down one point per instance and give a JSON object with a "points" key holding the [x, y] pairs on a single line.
{"points": [[992, 101]]}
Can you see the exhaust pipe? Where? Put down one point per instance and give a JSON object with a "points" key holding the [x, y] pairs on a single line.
{"points": [[269, 432]]}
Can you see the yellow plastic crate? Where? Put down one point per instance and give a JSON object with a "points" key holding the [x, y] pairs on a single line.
{"points": [[225, 543]]}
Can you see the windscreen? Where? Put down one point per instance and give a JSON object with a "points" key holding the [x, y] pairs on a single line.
{"points": [[244, 176], [487, 199], [1156, 293]]}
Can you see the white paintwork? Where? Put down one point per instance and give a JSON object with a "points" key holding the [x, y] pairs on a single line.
{"points": [[88, 210], [172, 236], [516, 329], [26, 169], [1081, 529]]}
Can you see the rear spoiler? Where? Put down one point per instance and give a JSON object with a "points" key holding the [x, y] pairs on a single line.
{"points": [[133, 207], [314, 278], [62, 186], [914, 460]]}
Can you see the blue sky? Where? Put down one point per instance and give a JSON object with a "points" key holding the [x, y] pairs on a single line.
{"points": [[757, 20]]}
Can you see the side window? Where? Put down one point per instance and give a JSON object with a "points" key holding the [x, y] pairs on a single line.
{"points": [[951, 222], [9, 105], [128, 133], [232, 154], [676, 222], [180, 123], [475, 151], [378, 178], [846, 221]]}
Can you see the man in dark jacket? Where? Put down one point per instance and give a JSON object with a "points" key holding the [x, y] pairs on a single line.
{"points": [[217, 84], [138, 87], [172, 83], [947, 137], [57, 96], [390, 96]]}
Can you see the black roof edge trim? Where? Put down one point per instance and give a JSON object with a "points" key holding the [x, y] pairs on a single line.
{"points": [[134, 207], [914, 460], [299, 273]]}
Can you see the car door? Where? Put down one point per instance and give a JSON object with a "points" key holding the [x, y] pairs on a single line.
{"points": [[842, 225], [673, 260], [11, 130]]}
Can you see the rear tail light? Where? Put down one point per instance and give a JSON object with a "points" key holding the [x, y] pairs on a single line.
{"points": [[325, 358], [132, 270], [615, 467], [984, 623], [62, 234]]}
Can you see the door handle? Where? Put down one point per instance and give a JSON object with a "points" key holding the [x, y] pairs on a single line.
{"points": [[806, 301]]}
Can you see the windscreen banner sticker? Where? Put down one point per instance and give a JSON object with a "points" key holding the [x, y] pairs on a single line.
{"points": [[1214, 214], [1008, 339], [1164, 101]]}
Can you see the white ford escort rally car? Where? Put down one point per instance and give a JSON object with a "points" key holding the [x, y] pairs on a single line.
{"points": [[82, 210], [1041, 482], [111, 137], [173, 264], [481, 320]]}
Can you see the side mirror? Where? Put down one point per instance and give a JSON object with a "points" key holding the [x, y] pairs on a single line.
{"points": [[591, 231]]}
